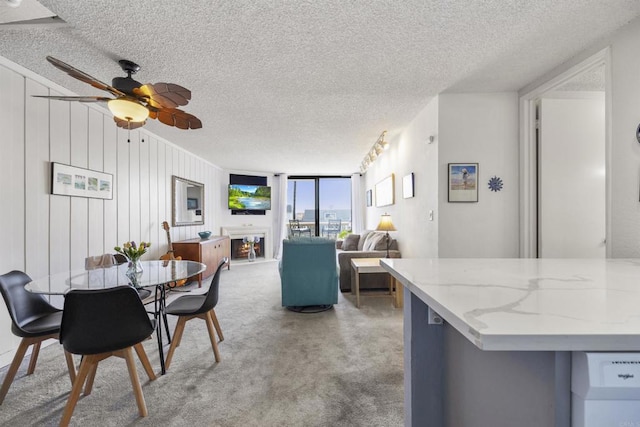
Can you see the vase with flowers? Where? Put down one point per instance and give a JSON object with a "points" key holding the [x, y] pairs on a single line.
{"points": [[133, 253], [251, 241]]}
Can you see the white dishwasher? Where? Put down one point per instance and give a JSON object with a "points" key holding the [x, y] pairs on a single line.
{"points": [[605, 389]]}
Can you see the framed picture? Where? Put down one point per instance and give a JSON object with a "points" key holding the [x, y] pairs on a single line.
{"points": [[192, 203], [463, 182], [369, 198], [384, 192], [407, 186], [69, 180]]}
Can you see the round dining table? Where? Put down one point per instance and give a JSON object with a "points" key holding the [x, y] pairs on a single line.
{"points": [[155, 275]]}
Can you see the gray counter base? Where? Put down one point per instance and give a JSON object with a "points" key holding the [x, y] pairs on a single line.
{"points": [[450, 382]]}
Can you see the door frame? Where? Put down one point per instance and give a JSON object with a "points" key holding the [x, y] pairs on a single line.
{"points": [[528, 152]]}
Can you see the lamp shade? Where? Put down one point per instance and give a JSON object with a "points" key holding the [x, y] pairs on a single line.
{"points": [[385, 223], [128, 110]]}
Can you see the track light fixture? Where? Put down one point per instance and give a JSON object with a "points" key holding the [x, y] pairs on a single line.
{"points": [[376, 150]]}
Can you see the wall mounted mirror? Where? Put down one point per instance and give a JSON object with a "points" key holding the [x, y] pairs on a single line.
{"points": [[188, 202]]}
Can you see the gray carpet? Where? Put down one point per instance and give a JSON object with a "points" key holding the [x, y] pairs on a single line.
{"points": [[341, 367]]}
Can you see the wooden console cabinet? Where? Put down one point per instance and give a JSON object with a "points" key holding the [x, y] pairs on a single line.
{"points": [[209, 252]]}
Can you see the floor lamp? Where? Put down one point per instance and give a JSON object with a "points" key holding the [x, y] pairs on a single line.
{"points": [[386, 225]]}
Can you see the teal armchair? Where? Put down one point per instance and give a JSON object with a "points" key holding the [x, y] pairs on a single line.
{"points": [[309, 272]]}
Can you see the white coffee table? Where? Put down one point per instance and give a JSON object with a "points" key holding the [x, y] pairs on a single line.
{"points": [[372, 265]]}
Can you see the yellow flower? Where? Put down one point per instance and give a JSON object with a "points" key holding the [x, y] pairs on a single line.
{"points": [[131, 251]]}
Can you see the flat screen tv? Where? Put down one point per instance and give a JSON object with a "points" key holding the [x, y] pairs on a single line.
{"points": [[249, 197]]}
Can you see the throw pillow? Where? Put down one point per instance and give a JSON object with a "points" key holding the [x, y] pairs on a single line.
{"points": [[350, 242], [372, 241], [363, 239], [382, 243]]}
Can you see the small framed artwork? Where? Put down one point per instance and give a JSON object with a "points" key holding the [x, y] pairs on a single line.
{"points": [[384, 192], [407, 186], [463, 182], [70, 180], [369, 198]]}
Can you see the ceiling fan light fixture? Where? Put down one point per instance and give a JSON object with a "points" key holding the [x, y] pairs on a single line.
{"points": [[126, 109]]}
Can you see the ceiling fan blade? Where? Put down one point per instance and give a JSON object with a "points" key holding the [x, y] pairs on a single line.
{"points": [[128, 125], [164, 95], [83, 77], [178, 118], [76, 98]]}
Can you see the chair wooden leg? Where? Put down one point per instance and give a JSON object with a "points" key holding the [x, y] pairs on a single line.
{"points": [[15, 364], [212, 336], [216, 324], [177, 337], [34, 357], [86, 366], [90, 379], [142, 355], [135, 381], [70, 366]]}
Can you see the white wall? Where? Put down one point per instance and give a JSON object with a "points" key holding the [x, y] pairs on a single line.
{"points": [[44, 233], [483, 129], [474, 128], [410, 152]]}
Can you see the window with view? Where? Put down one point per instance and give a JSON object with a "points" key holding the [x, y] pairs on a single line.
{"points": [[321, 203]]}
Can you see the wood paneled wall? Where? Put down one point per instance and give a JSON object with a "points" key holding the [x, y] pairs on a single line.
{"points": [[43, 233]]}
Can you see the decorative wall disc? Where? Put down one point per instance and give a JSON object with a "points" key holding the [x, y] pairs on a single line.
{"points": [[495, 184]]}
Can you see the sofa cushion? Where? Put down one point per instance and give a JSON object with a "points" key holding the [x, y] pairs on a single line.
{"points": [[363, 238], [350, 242], [373, 239], [382, 244]]}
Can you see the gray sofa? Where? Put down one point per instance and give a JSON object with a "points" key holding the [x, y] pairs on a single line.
{"points": [[369, 244]]}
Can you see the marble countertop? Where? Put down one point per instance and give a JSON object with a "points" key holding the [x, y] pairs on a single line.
{"points": [[531, 304]]}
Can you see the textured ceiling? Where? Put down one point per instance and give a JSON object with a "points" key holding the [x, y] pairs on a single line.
{"points": [[306, 87]]}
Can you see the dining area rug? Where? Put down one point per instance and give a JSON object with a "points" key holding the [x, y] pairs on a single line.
{"points": [[341, 367]]}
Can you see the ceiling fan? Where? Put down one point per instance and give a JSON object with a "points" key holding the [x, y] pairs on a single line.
{"points": [[133, 101]]}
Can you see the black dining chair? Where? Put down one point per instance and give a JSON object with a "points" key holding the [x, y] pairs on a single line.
{"points": [[33, 319], [101, 323], [120, 259], [189, 307]]}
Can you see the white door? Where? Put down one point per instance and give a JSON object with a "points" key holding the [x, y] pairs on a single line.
{"points": [[571, 177]]}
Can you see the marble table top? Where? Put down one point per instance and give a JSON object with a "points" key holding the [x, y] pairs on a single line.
{"points": [[531, 304]]}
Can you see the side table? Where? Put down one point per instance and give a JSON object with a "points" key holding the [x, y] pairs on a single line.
{"points": [[372, 265]]}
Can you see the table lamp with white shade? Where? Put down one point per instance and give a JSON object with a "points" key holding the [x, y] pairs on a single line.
{"points": [[386, 225]]}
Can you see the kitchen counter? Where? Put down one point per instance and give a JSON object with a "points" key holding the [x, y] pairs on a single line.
{"points": [[509, 326]]}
